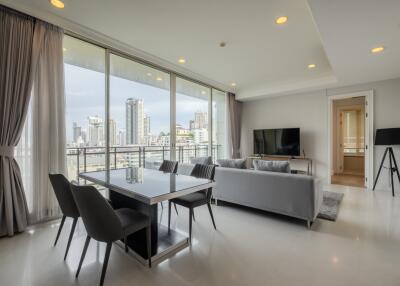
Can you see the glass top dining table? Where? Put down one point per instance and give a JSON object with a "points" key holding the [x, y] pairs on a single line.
{"points": [[147, 185]]}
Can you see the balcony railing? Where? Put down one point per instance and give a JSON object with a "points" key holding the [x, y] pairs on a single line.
{"points": [[86, 159]]}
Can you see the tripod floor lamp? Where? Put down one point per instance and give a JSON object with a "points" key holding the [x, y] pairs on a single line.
{"points": [[388, 137]]}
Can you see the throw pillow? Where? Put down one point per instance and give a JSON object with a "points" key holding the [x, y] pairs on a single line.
{"points": [[201, 160], [272, 166], [232, 163]]}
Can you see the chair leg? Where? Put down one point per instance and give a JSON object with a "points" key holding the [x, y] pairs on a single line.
{"points": [[105, 263], [70, 237], [59, 229], [126, 244], [194, 219], [169, 215], [148, 236], [211, 214], [190, 224], [176, 209], [83, 255]]}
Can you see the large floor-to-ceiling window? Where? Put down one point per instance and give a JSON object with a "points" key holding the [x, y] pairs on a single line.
{"points": [[84, 67], [219, 124], [139, 122], [192, 120], [139, 104]]}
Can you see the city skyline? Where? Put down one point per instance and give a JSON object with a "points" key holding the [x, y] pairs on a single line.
{"points": [[86, 98], [94, 133]]}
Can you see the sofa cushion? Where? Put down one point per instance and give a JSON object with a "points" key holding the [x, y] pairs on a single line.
{"points": [[272, 166], [201, 160], [185, 169], [232, 163]]}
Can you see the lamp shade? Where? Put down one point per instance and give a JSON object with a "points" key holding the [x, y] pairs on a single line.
{"points": [[387, 136]]}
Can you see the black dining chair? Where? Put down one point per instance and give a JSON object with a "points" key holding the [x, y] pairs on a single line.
{"points": [[105, 224], [61, 187], [168, 166], [196, 199]]}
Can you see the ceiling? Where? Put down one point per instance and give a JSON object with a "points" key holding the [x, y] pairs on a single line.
{"points": [[350, 29], [262, 58]]}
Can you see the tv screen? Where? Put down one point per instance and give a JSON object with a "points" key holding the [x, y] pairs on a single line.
{"points": [[284, 141]]}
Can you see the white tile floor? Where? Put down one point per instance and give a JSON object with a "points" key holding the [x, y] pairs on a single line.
{"points": [[250, 248]]}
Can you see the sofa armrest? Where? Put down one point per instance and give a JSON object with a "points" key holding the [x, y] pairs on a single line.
{"points": [[318, 196]]}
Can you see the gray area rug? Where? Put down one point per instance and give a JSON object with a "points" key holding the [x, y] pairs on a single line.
{"points": [[330, 205]]}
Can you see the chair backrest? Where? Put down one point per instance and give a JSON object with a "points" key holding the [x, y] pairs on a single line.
{"points": [[204, 172], [169, 166], [62, 189], [99, 218]]}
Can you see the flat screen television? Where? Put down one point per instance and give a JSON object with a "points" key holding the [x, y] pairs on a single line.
{"points": [[281, 142]]}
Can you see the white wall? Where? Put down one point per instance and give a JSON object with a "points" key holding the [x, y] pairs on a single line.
{"points": [[309, 111]]}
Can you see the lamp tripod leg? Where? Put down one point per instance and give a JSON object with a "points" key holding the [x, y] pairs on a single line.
{"points": [[395, 169], [391, 172], [380, 168]]}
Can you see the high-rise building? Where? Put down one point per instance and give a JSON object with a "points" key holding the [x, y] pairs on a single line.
{"points": [[84, 136], [76, 131], [121, 140], [146, 125], [191, 125], [200, 136], [134, 121], [112, 127], [96, 131], [200, 120]]}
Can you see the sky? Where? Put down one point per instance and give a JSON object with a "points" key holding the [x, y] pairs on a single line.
{"points": [[85, 96]]}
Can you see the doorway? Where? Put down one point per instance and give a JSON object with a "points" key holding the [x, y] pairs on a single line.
{"points": [[350, 137]]}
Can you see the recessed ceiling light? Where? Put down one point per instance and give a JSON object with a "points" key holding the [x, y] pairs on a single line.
{"points": [[57, 3], [149, 74], [281, 20], [377, 49], [65, 49], [181, 61], [159, 78], [312, 66], [203, 92], [233, 84]]}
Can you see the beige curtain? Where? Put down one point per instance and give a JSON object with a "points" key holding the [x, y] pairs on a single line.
{"points": [[48, 125], [235, 121], [18, 61]]}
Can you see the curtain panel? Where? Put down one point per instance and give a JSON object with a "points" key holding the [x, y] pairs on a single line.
{"points": [[18, 61], [48, 125], [27, 59], [234, 127]]}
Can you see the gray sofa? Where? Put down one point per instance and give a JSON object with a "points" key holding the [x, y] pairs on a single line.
{"points": [[298, 196]]}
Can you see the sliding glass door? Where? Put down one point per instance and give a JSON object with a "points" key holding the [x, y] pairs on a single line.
{"points": [[121, 112], [139, 116]]}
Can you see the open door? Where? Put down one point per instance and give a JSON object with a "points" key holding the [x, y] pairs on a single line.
{"points": [[343, 110], [349, 146]]}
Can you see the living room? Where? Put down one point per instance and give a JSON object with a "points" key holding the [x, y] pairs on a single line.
{"points": [[199, 142]]}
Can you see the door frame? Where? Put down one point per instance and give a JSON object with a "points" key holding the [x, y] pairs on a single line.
{"points": [[369, 133]]}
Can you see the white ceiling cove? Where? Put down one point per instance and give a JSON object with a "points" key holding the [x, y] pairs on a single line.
{"points": [[262, 58], [351, 28]]}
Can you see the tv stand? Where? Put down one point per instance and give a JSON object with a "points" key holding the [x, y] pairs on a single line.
{"points": [[308, 161]]}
